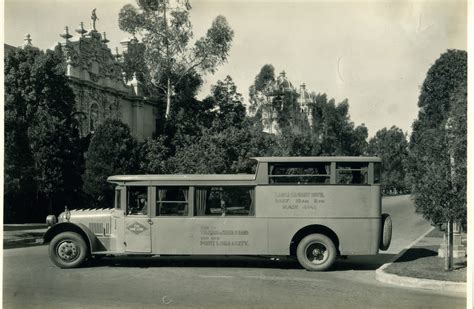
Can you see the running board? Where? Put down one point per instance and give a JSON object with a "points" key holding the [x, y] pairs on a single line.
{"points": [[115, 253]]}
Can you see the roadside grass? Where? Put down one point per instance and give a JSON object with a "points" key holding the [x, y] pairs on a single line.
{"points": [[423, 262], [436, 233]]}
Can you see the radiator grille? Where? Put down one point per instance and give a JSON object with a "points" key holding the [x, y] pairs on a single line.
{"points": [[100, 228]]}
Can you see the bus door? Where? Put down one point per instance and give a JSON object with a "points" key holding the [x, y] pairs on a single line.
{"points": [[172, 227], [137, 220]]}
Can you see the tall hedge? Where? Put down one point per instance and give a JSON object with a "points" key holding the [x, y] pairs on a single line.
{"points": [[437, 147]]}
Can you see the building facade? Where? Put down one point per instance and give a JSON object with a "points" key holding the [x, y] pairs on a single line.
{"points": [[281, 104], [101, 89]]}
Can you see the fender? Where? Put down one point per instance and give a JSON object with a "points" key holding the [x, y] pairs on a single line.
{"points": [[314, 228], [90, 238]]}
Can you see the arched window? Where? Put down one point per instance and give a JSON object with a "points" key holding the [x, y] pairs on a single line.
{"points": [[93, 117], [79, 120]]}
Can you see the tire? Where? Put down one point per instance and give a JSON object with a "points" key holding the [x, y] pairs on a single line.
{"points": [[68, 250], [386, 237], [316, 252]]}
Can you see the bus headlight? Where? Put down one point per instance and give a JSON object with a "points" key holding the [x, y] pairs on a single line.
{"points": [[51, 220]]}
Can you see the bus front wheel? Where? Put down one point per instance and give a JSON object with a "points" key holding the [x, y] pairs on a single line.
{"points": [[316, 252], [68, 250]]}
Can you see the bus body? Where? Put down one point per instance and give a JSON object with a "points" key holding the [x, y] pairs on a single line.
{"points": [[314, 208]]}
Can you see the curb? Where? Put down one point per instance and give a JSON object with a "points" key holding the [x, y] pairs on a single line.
{"points": [[26, 241], [26, 226], [22, 242], [410, 282]]}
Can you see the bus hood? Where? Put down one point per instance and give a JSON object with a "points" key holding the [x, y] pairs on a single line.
{"points": [[98, 221], [90, 213]]}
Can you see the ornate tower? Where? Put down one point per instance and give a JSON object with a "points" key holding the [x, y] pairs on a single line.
{"points": [[304, 100], [274, 102]]}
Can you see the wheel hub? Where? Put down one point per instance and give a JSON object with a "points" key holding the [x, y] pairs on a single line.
{"points": [[317, 253], [68, 251]]}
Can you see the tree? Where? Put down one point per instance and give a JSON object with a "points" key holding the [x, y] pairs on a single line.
{"points": [[153, 154], [134, 62], [20, 185], [222, 151], [332, 131], [226, 144], [112, 151], [430, 175], [187, 122], [228, 103], [438, 145], [359, 140], [41, 166], [443, 78], [456, 128], [392, 147], [438, 140], [54, 135], [166, 33], [264, 78]]}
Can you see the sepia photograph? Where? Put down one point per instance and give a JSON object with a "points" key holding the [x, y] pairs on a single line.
{"points": [[235, 154]]}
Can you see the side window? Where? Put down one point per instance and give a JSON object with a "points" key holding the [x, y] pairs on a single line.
{"points": [[352, 173], [118, 200], [171, 201], [377, 172], [300, 173], [224, 201], [137, 200]]}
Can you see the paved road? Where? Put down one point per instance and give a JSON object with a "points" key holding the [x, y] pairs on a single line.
{"points": [[30, 280], [407, 225]]}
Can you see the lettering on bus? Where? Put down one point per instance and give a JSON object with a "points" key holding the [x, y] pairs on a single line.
{"points": [[299, 200], [211, 236]]}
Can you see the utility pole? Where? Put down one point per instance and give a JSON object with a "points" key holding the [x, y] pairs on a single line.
{"points": [[448, 261]]}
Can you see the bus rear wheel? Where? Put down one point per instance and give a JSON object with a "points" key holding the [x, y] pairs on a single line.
{"points": [[316, 252]]}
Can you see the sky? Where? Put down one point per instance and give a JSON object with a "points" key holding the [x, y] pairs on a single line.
{"points": [[374, 53]]}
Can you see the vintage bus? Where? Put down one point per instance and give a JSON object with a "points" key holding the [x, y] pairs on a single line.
{"points": [[311, 208]]}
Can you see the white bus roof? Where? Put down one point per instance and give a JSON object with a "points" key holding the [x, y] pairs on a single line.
{"points": [[316, 159], [183, 177]]}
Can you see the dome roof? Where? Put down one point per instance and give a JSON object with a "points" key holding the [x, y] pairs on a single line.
{"points": [[282, 82], [304, 95]]}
